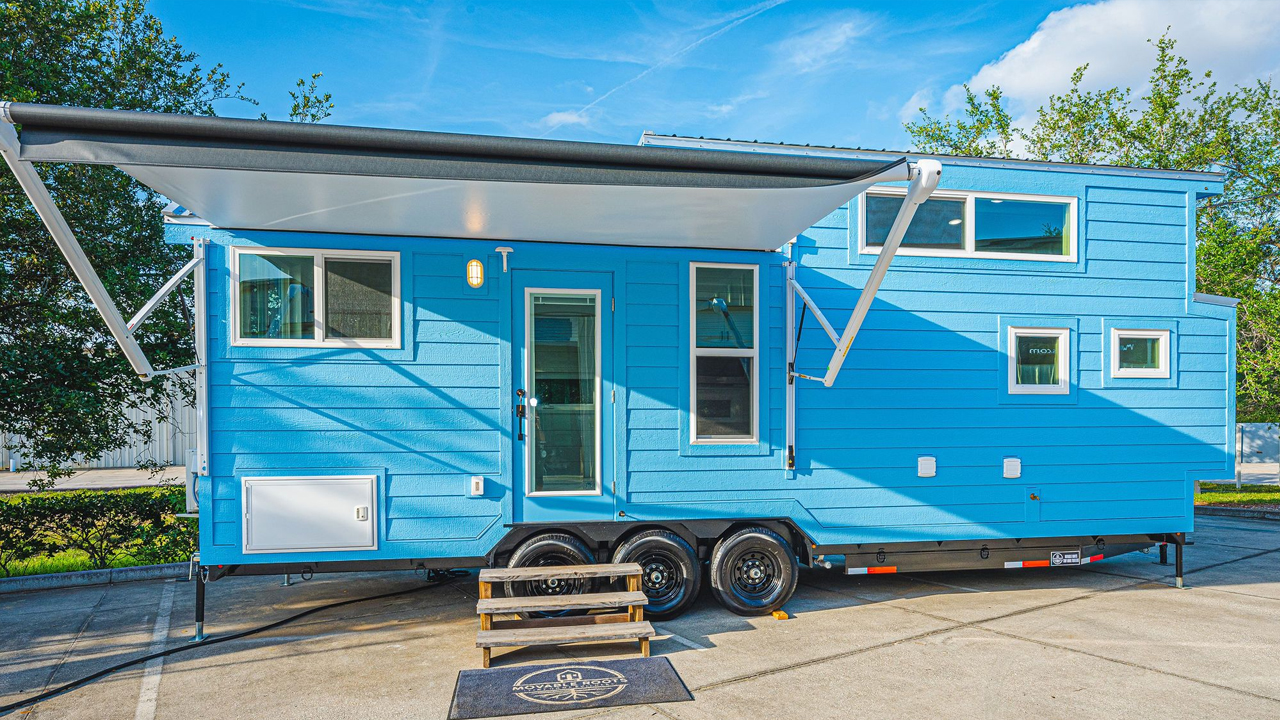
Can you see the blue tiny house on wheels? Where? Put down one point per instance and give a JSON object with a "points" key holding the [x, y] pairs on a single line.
{"points": [[717, 359]]}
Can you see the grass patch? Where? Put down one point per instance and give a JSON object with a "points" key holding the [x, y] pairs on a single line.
{"points": [[1246, 496], [66, 561]]}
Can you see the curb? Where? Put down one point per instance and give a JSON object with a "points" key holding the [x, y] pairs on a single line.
{"points": [[1252, 514], [110, 576]]}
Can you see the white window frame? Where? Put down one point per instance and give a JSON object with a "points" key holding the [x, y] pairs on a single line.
{"points": [[318, 258], [1064, 361], [531, 420], [970, 241], [695, 352], [1160, 372]]}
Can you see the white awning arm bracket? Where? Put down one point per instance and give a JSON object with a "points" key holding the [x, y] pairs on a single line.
{"points": [[171, 285], [923, 176], [924, 180], [817, 313], [38, 194]]}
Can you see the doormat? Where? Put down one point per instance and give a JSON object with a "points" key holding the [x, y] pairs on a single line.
{"points": [[565, 686]]}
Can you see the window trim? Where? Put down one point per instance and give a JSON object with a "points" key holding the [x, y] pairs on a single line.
{"points": [[1161, 372], [1064, 361], [970, 235], [529, 292], [318, 258], [695, 352]]}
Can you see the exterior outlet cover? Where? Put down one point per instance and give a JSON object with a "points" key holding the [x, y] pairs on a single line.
{"points": [[926, 466], [1012, 467], [477, 485]]}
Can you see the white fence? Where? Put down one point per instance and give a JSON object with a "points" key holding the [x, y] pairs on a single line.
{"points": [[171, 440]]}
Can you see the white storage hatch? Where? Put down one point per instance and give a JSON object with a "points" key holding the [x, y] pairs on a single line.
{"points": [[293, 514]]}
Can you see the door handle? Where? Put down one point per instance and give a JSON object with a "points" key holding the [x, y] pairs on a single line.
{"points": [[520, 411]]}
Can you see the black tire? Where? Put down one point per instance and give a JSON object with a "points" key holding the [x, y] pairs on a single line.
{"points": [[550, 549], [670, 576], [753, 571]]}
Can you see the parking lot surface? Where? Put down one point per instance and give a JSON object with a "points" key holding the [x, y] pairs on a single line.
{"points": [[1111, 640]]}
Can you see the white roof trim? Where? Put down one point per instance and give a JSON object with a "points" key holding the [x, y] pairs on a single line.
{"points": [[649, 139]]}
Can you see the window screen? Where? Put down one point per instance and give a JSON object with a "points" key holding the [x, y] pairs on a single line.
{"points": [[357, 302]]}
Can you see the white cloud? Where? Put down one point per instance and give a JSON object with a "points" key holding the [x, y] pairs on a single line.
{"points": [[565, 117], [921, 98], [725, 108], [1234, 38], [823, 46]]}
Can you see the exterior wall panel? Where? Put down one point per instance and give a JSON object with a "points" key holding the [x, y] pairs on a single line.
{"points": [[925, 376]]}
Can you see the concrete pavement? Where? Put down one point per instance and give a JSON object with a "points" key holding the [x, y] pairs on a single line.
{"points": [[106, 479], [1111, 640]]}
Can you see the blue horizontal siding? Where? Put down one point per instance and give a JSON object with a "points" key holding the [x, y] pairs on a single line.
{"points": [[924, 377]]}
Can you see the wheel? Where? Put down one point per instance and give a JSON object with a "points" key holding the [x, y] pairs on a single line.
{"points": [[753, 571], [670, 576], [550, 549]]}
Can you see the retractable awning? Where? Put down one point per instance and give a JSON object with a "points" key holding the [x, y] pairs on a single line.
{"points": [[257, 174], [263, 175]]}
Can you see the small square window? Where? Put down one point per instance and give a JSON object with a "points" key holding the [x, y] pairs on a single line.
{"points": [[1139, 353], [1039, 361]]}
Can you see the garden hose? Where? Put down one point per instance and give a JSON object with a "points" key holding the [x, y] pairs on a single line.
{"points": [[435, 578]]}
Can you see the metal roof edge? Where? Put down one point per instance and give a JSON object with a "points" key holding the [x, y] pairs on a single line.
{"points": [[1221, 300], [654, 140]]}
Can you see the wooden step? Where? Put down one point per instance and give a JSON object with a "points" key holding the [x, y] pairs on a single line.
{"points": [[551, 603], [558, 572], [562, 635]]}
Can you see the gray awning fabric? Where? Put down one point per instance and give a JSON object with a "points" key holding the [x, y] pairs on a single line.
{"points": [[256, 174]]}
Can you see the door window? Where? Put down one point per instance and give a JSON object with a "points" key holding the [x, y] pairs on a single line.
{"points": [[564, 356]]}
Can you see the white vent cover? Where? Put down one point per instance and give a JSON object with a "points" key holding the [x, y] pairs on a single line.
{"points": [[926, 466], [1012, 467]]}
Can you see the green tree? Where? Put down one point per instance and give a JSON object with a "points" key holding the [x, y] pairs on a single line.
{"points": [[1181, 122], [65, 389]]}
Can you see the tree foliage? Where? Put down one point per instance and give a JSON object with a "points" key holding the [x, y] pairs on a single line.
{"points": [[1181, 122], [65, 389]]}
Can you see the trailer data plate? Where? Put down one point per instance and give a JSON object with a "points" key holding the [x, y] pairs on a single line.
{"points": [[1064, 557]]}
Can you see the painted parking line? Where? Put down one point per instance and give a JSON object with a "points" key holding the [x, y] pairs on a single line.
{"points": [[151, 671]]}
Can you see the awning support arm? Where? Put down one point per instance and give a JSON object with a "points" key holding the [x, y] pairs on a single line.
{"points": [[163, 293], [35, 190], [813, 307], [924, 176]]}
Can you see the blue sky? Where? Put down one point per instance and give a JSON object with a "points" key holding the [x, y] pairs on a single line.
{"points": [[800, 71]]}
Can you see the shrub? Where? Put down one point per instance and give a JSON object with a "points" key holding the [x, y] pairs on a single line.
{"points": [[22, 534], [139, 523]]}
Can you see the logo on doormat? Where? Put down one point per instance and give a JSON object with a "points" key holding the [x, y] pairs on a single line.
{"points": [[568, 684]]}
